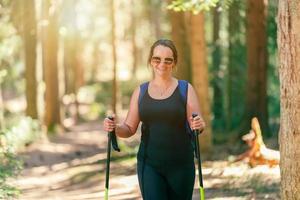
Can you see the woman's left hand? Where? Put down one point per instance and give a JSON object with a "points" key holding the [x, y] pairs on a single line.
{"points": [[197, 123]]}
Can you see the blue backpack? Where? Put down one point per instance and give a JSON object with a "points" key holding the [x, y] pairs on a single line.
{"points": [[183, 89]]}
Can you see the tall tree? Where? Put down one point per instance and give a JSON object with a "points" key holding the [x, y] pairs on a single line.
{"points": [[2, 123], [114, 55], [73, 45], [30, 40], [133, 38], [217, 82], [256, 97], [50, 49], [69, 43], [96, 61], [236, 77], [154, 14], [289, 73], [179, 35], [200, 74]]}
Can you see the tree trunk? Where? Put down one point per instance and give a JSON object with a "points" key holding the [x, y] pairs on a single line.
{"points": [[154, 13], [2, 122], [217, 81], [50, 48], [70, 48], [30, 40], [180, 38], [79, 72], [73, 47], [133, 40], [96, 62], [200, 75], [256, 102], [114, 56], [236, 77], [289, 72], [69, 64]]}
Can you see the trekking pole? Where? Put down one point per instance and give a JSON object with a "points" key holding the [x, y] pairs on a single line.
{"points": [[112, 141], [196, 133]]}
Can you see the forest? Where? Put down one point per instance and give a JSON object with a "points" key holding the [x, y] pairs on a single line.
{"points": [[65, 65]]}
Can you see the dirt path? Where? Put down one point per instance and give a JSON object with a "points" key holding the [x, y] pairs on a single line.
{"points": [[72, 167]]}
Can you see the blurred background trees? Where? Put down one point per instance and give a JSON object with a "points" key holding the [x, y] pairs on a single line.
{"points": [[64, 62], [61, 60]]}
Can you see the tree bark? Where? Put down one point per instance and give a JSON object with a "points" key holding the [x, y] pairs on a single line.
{"points": [[133, 40], [114, 56], [154, 14], [30, 40], [179, 36], [256, 98], [217, 81], [50, 48], [96, 62], [200, 75], [70, 48], [236, 77], [289, 73]]}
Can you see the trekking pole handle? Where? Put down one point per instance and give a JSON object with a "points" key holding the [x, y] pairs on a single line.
{"points": [[109, 134], [111, 118], [197, 130], [114, 141]]}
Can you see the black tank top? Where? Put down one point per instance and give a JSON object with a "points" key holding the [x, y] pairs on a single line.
{"points": [[164, 136]]}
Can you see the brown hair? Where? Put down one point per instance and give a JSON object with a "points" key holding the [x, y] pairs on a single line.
{"points": [[166, 43]]}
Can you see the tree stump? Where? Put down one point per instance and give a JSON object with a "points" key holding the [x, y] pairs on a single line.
{"points": [[258, 153]]}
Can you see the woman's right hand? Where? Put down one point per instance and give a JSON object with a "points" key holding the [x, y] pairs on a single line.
{"points": [[109, 124]]}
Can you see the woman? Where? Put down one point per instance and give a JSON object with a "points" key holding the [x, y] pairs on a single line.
{"points": [[165, 158]]}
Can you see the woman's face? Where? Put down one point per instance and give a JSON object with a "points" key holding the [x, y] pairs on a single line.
{"points": [[162, 61]]}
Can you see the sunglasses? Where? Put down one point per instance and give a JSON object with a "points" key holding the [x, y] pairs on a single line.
{"points": [[157, 60]]}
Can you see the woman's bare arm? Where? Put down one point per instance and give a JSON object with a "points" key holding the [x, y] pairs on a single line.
{"points": [[192, 106], [130, 125]]}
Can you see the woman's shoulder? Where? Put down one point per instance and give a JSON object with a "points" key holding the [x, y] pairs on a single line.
{"points": [[144, 84], [184, 81]]}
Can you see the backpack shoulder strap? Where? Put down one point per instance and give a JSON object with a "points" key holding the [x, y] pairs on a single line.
{"points": [[143, 89], [183, 89]]}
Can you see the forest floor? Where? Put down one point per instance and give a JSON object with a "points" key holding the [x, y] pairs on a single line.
{"points": [[71, 166]]}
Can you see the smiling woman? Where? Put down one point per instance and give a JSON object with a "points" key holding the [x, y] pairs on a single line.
{"points": [[165, 158]]}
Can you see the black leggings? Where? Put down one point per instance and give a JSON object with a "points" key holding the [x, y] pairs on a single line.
{"points": [[166, 182]]}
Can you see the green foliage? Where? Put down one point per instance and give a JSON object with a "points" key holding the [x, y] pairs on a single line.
{"points": [[102, 94], [227, 68], [23, 131], [237, 66], [5, 2], [10, 166], [127, 88], [10, 54], [97, 98], [197, 6], [3, 73], [20, 132]]}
